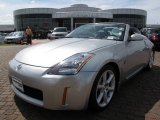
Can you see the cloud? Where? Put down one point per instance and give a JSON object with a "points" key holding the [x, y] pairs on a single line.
{"points": [[6, 19], [32, 1], [2, 6], [8, 6]]}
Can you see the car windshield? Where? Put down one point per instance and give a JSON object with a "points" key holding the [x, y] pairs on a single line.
{"points": [[17, 34], [99, 31], [10, 34], [60, 30]]}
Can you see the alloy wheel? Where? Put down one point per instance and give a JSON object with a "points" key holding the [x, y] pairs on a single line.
{"points": [[105, 88]]}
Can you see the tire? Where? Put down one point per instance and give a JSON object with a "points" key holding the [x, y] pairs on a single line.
{"points": [[151, 61], [21, 42], [104, 88]]}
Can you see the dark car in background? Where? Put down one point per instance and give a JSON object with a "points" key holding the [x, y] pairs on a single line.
{"points": [[2, 36], [1, 39], [18, 37], [58, 32], [153, 34]]}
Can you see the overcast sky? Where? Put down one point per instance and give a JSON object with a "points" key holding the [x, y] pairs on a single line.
{"points": [[151, 6]]}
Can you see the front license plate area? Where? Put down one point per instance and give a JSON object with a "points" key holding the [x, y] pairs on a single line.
{"points": [[18, 83]]}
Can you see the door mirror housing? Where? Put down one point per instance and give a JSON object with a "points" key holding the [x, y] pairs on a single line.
{"points": [[136, 37]]}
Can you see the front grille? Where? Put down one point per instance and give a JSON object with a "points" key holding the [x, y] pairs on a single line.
{"points": [[32, 92], [9, 40], [59, 35]]}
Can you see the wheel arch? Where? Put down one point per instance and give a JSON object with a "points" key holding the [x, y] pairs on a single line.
{"points": [[117, 70]]}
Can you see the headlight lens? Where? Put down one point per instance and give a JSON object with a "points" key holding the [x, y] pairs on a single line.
{"points": [[71, 65]]}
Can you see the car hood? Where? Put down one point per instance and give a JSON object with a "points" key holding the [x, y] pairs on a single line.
{"points": [[59, 33], [51, 53], [12, 37]]}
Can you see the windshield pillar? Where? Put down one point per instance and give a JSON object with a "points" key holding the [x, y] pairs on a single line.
{"points": [[71, 23]]}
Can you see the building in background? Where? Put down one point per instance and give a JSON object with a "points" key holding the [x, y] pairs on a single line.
{"points": [[39, 19], [153, 25], [7, 28], [43, 19], [134, 17]]}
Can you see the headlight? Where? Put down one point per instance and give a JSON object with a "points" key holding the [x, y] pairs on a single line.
{"points": [[71, 65]]}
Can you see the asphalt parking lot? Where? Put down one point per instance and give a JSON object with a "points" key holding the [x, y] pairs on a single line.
{"points": [[137, 99]]}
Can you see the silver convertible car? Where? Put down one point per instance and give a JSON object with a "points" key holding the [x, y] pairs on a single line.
{"points": [[83, 70]]}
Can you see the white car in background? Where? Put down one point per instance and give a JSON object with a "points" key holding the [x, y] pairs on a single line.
{"points": [[58, 32]]}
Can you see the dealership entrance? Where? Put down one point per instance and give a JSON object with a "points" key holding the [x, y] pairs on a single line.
{"points": [[72, 23]]}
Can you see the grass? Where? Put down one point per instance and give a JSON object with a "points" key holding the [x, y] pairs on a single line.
{"points": [[7, 44]]}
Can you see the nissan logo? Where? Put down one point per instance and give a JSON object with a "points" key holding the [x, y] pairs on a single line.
{"points": [[19, 67]]}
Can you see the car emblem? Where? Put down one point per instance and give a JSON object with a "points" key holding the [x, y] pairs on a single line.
{"points": [[19, 67]]}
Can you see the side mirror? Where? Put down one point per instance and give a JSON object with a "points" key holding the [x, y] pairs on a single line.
{"points": [[136, 37]]}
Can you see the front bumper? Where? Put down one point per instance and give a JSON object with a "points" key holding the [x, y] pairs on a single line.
{"points": [[75, 88], [12, 40], [9, 40], [57, 37]]}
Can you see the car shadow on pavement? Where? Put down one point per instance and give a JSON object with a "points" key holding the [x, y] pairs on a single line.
{"points": [[134, 100], [157, 49]]}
